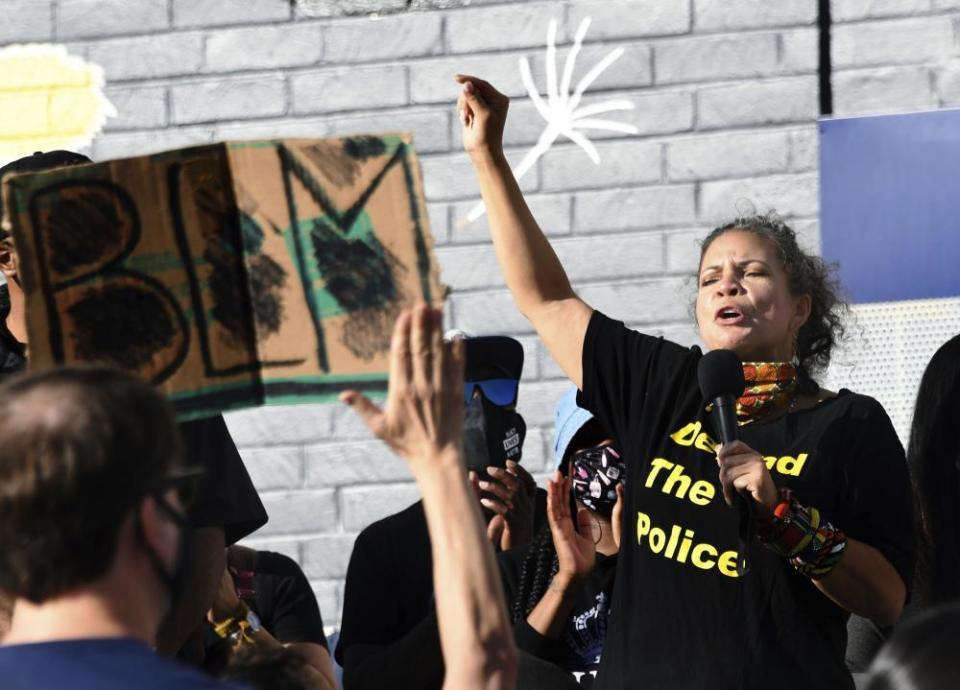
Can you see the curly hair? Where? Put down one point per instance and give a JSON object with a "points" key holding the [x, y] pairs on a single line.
{"points": [[807, 275]]}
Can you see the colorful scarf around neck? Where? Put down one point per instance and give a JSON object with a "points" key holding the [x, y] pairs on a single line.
{"points": [[770, 387]]}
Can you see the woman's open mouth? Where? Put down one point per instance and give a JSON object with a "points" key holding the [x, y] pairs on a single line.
{"points": [[728, 316]]}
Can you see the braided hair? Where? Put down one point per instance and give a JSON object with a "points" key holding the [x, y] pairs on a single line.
{"points": [[540, 562], [539, 565]]}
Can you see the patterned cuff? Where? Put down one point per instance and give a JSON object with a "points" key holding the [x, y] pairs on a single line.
{"points": [[800, 534]]}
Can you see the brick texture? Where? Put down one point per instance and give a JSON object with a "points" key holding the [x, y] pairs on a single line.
{"points": [[724, 102], [211, 13], [34, 21], [87, 18], [717, 15]]}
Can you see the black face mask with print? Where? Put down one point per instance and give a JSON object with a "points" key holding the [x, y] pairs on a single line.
{"points": [[491, 434]]}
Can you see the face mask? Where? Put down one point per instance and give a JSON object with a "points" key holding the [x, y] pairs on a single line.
{"points": [[173, 579], [596, 473], [491, 434]]}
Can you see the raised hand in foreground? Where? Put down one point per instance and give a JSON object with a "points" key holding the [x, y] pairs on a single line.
{"points": [[422, 422]]}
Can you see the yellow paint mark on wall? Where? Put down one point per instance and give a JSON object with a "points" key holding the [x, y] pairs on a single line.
{"points": [[48, 100]]}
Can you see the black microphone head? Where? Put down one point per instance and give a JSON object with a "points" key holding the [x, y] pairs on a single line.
{"points": [[720, 373]]}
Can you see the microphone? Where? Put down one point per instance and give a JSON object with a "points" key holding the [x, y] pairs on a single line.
{"points": [[720, 374]]}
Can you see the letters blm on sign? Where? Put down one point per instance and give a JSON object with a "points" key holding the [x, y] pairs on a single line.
{"points": [[229, 275]]}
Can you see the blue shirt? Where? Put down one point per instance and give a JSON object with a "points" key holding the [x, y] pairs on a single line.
{"points": [[97, 664]]}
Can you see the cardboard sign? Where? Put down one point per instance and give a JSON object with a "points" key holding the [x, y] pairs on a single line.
{"points": [[229, 275]]}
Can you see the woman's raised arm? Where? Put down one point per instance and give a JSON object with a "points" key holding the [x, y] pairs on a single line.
{"points": [[530, 267]]}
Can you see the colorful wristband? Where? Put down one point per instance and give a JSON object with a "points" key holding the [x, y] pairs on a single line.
{"points": [[232, 627], [800, 534]]}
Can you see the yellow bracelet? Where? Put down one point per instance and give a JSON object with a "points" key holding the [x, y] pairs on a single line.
{"points": [[231, 625], [226, 628]]}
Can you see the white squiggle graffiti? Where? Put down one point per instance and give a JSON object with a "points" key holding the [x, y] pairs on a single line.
{"points": [[561, 109]]}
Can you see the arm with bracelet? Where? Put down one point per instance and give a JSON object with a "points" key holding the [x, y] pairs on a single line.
{"points": [[854, 574], [234, 621]]}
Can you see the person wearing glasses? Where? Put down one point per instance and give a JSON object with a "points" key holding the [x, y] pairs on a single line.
{"points": [[388, 635], [93, 494], [227, 507], [558, 588]]}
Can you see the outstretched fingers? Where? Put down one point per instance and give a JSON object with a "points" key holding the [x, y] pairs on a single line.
{"points": [[370, 414], [400, 366]]}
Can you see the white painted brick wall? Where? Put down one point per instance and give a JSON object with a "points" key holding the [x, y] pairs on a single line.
{"points": [[517, 25], [848, 10], [349, 88], [711, 157], [725, 96], [636, 208], [716, 57], [722, 15], [615, 19], [621, 163], [34, 21], [218, 98], [400, 36], [211, 13], [758, 102], [86, 18], [263, 47], [149, 57], [893, 42]]}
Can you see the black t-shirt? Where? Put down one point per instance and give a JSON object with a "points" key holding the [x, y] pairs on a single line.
{"points": [[225, 497], [283, 600], [388, 630], [681, 618], [580, 646]]}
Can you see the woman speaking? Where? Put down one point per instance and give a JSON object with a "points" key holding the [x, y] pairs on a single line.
{"points": [[824, 471]]}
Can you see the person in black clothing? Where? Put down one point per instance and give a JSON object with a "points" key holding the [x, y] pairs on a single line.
{"points": [[422, 422], [265, 602], [824, 472], [227, 507], [559, 587], [388, 635]]}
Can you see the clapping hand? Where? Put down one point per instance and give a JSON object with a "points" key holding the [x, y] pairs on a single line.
{"points": [[513, 493], [576, 551]]}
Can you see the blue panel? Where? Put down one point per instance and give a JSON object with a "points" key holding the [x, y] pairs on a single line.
{"points": [[890, 204]]}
